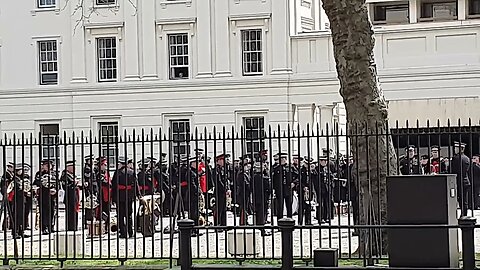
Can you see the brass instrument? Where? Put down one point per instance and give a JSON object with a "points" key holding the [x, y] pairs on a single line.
{"points": [[91, 202], [306, 195], [229, 199]]}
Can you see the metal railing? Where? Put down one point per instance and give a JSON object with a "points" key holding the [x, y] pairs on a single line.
{"points": [[242, 191]]}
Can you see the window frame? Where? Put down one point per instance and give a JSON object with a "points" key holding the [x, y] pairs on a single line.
{"points": [[386, 5], [422, 3], [50, 146], [468, 14], [97, 59], [43, 7], [115, 4], [243, 52], [40, 61], [260, 130], [105, 147], [170, 56], [186, 144]]}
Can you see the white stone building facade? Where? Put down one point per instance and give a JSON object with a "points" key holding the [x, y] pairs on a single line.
{"points": [[121, 65]]}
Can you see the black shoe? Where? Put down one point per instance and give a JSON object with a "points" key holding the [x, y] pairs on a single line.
{"points": [[123, 236], [130, 235], [45, 232]]}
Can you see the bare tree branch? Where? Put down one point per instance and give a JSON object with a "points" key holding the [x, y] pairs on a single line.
{"points": [[86, 15]]}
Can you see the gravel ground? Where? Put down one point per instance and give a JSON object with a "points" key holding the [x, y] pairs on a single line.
{"points": [[209, 245]]}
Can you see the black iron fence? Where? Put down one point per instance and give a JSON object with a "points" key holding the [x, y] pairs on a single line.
{"points": [[251, 194]]}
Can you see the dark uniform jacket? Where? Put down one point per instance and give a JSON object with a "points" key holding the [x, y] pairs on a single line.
{"points": [[124, 185], [145, 182], [283, 175], [409, 166], [461, 166], [5, 181], [476, 174], [221, 180]]}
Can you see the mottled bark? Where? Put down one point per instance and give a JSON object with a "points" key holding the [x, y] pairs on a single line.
{"points": [[353, 44]]}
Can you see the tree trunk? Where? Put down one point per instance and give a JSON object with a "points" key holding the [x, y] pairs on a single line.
{"points": [[375, 158]]}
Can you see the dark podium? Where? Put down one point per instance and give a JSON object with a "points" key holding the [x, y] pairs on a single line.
{"points": [[427, 200]]}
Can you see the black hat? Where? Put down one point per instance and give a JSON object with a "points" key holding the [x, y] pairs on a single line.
{"points": [[309, 160], [323, 158], [222, 156], [70, 163], [297, 156], [130, 161], [46, 161], [425, 157], [325, 151], [122, 160], [89, 157], [198, 150], [10, 164], [410, 147], [144, 161], [476, 155], [435, 147], [459, 144], [22, 166], [282, 155]]}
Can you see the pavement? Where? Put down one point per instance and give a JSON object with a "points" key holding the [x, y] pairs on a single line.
{"points": [[210, 245]]}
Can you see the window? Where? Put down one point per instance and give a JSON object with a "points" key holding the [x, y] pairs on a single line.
{"points": [[474, 7], [438, 10], [47, 3], [108, 137], [180, 135], [254, 134], [252, 52], [106, 2], [48, 62], [178, 51], [107, 59], [49, 134], [390, 13]]}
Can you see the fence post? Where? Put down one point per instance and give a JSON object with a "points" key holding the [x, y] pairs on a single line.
{"points": [[468, 241], [286, 226], [185, 226]]}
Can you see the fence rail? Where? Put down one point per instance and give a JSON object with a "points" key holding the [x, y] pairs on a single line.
{"points": [[124, 203]]}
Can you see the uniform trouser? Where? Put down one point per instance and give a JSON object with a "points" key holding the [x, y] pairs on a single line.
{"points": [[476, 196], [18, 214], [193, 211], [47, 210], [463, 198], [105, 213], [70, 209], [220, 214], [125, 220], [324, 206], [355, 207], [28, 208], [281, 200], [305, 209], [259, 213]]}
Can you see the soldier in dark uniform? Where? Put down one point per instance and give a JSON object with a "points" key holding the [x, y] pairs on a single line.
{"points": [[46, 181], [304, 193], [325, 200], [476, 180], [104, 181], [221, 182], [409, 164], [6, 179], [425, 165], [188, 175], [260, 186], [69, 180], [283, 177], [19, 194], [145, 178], [461, 166], [437, 164], [244, 190], [89, 172], [124, 193]]}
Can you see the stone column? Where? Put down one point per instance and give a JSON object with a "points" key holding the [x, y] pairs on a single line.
{"points": [[462, 10], [413, 8], [79, 72], [148, 55], [204, 39], [281, 61], [222, 39], [326, 117], [131, 39]]}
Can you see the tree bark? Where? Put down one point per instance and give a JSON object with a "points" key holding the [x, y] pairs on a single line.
{"points": [[367, 115]]}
